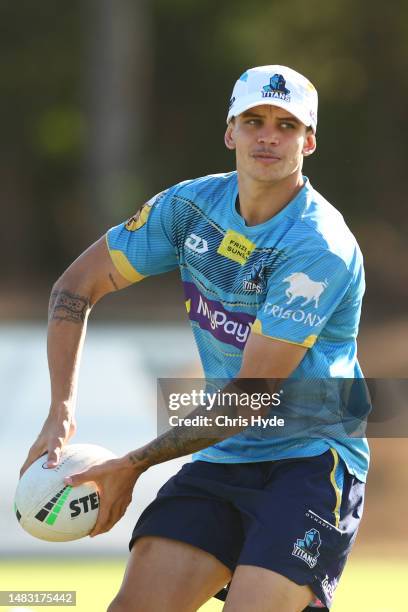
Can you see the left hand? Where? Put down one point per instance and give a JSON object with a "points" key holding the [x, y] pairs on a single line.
{"points": [[115, 481]]}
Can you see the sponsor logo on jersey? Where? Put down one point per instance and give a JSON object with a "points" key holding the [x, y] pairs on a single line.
{"points": [[307, 548], [229, 327], [196, 243], [139, 219], [276, 88], [301, 286], [236, 247], [254, 282], [298, 316]]}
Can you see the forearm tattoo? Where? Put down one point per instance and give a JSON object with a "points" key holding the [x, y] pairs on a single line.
{"points": [[175, 443], [67, 306], [183, 440]]}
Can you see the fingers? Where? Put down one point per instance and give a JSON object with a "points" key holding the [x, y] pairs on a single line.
{"points": [[115, 488], [55, 446], [33, 454], [107, 519], [56, 432], [77, 479], [54, 455], [107, 516], [104, 522]]}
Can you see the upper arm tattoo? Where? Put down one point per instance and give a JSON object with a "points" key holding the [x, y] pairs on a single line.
{"points": [[112, 280], [67, 306]]}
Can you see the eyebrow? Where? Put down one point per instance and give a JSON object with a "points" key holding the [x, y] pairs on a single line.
{"points": [[250, 113], [291, 118]]}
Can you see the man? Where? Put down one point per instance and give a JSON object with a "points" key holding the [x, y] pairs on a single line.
{"points": [[274, 282]]}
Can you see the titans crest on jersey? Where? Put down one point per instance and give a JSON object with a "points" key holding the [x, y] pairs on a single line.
{"points": [[297, 278]]}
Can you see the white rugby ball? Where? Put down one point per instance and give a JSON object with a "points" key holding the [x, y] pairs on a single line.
{"points": [[49, 509]]}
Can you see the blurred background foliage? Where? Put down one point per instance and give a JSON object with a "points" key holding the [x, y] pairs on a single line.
{"points": [[106, 102]]}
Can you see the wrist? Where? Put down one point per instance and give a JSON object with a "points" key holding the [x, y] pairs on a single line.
{"points": [[136, 460], [64, 407]]}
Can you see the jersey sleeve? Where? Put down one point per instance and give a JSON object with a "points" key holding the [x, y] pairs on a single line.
{"points": [[143, 245], [302, 294]]}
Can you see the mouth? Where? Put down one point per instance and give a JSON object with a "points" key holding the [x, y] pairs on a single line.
{"points": [[265, 157]]}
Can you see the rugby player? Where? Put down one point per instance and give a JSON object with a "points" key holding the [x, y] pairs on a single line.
{"points": [[273, 281]]}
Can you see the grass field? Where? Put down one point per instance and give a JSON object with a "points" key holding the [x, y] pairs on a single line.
{"points": [[365, 586]]}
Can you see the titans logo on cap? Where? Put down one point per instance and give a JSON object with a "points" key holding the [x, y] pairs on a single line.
{"points": [[277, 83]]}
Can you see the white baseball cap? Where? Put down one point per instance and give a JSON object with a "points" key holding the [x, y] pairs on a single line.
{"points": [[278, 86]]}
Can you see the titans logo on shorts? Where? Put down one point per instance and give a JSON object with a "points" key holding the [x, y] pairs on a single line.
{"points": [[297, 278]]}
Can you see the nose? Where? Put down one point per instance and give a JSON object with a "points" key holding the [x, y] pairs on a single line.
{"points": [[268, 135]]}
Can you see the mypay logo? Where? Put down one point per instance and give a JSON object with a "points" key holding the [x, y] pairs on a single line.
{"points": [[217, 319], [301, 286], [230, 327], [196, 243]]}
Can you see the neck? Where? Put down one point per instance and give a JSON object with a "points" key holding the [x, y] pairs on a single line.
{"points": [[260, 201]]}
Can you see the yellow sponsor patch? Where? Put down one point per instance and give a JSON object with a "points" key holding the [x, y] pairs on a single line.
{"points": [[236, 247], [140, 218], [188, 306]]}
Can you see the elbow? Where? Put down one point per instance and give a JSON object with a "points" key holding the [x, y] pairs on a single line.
{"points": [[73, 284], [70, 298]]}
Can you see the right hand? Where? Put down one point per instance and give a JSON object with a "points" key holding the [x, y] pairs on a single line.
{"points": [[58, 428]]}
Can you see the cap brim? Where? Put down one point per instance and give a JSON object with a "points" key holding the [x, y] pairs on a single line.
{"points": [[236, 110]]}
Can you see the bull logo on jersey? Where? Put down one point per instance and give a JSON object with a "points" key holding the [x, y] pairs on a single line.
{"points": [[301, 286], [307, 548], [140, 218], [276, 88]]}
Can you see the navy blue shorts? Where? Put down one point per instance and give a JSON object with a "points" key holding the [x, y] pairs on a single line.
{"points": [[297, 517]]}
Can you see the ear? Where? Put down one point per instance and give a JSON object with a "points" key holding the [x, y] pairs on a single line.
{"points": [[229, 136], [310, 144]]}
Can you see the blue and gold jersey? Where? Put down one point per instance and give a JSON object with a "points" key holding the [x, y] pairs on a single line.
{"points": [[297, 278]]}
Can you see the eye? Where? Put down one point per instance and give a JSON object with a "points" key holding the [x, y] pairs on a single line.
{"points": [[287, 125], [253, 121]]}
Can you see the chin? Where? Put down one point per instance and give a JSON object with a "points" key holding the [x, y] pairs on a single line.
{"points": [[268, 176]]}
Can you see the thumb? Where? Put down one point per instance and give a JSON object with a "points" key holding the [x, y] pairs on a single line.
{"points": [[54, 454]]}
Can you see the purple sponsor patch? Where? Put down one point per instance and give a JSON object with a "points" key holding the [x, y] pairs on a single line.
{"points": [[229, 327]]}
